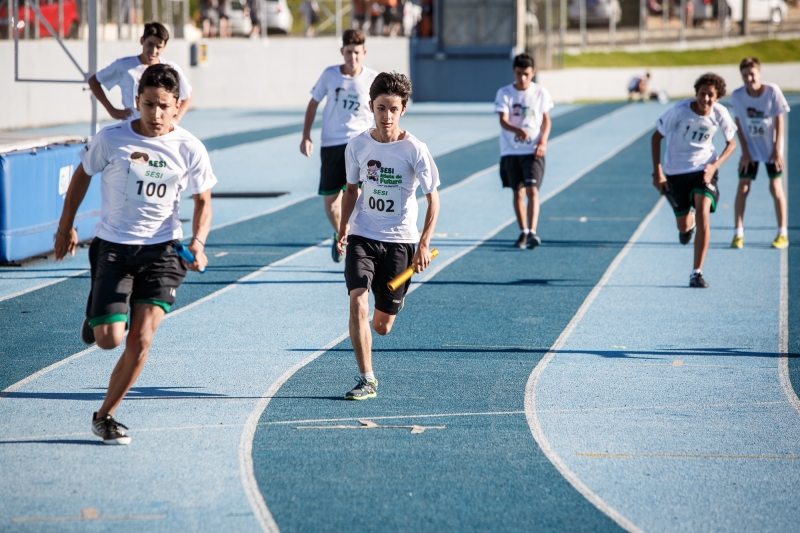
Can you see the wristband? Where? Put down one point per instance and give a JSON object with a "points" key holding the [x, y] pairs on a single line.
{"points": [[198, 240]]}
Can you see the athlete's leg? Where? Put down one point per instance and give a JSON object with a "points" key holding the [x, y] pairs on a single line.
{"points": [[333, 208], [360, 334], [533, 207], [741, 201], [776, 189], [145, 319], [519, 207], [109, 336], [685, 222], [382, 322], [702, 204]]}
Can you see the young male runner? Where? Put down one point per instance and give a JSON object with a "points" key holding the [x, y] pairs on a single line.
{"points": [[390, 164], [126, 72], [524, 109], [145, 165], [758, 108], [346, 115], [691, 164]]}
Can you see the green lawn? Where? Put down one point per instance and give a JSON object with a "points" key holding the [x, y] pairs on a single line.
{"points": [[766, 51]]}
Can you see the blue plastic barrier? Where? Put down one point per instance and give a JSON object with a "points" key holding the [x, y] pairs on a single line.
{"points": [[32, 189]]}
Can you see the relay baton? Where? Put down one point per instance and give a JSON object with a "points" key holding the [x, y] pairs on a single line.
{"points": [[186, 255], [406, 274]]}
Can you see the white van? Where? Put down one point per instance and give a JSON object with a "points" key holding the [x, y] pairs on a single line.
{"points": [[773, 11]]}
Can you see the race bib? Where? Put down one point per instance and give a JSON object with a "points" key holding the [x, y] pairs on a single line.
{"points": [[757, 127], [699, 134], [152, 185], [349, 102], [382, 201]]}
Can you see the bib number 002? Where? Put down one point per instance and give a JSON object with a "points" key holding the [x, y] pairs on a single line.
{"points": [[384, 202]]}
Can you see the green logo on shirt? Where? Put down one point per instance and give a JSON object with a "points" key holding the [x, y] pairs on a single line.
{"points": [[388, 177]]}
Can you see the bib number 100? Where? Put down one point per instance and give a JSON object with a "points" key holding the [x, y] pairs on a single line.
{"points": [[379, 204], [151, 189]]}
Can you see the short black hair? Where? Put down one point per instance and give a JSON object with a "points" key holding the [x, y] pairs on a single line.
{"points": [[352, 36], [391, 83], [155, 29], [523, 61], [161, 76], [711, 79], [374, 163]]}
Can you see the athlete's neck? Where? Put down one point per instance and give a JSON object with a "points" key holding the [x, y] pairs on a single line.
{"points": [[145, 60], [756, 90], [704, 112], [387, 136], [521, 87], [351, 70], [140, 128]]}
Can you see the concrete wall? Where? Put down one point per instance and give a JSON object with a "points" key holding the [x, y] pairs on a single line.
{"points": [[243, 73], [577, 84]]}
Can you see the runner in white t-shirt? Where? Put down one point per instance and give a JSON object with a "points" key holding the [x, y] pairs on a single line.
{"points": [[126, 71], [379, 226], [759, 109], [144, 164], [346, 88], [689, 175], [524, 109]]}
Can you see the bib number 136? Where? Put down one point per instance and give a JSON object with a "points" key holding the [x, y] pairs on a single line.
{"points": [[384, 202]]}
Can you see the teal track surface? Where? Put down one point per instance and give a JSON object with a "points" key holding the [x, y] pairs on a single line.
{"points": [[581, 386]]}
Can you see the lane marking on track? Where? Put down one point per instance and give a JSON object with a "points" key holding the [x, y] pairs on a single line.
{"points": [[369, 424], [87, 513], [43, 285], [688, 456], [530, 388]]}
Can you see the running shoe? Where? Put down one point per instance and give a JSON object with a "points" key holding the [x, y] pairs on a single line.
{"points": [[686, 238], [87, 333], [521, 240], [533, 241], [696, 280], [738, 242], [337, 257], [109, 430], [781, 241], [365, 389]]}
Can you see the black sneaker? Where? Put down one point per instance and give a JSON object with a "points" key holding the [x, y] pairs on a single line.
{"points": [[365, 389], [335, 255], [686, 238], [533, 241], [521, 240], [109, 430], [87, 333], [696, 280]]}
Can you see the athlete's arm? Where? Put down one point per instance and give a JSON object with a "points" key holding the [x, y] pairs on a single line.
{"points": [[541, 149], [306, 146], [66, 238], [746, 159], [777, 157], [659, 181], [422, 257], [711, 168], [506, 125], [348, 204], [100, 94], [183, 107], [201, 225]]}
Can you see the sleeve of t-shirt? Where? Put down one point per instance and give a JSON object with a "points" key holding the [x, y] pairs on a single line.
{"points": [[201, 175], [737, 107], [780, 106], [321, 87], [351, 164], [186, 89], [94, 156], [666, 122], [547, 102], [500, 103], [426, 171], [110, 76], [728, 124]]}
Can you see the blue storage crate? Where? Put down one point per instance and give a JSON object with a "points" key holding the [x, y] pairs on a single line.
{"points": [[33, 184]]}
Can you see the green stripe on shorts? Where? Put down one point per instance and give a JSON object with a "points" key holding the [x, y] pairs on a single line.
{"points": [[163, 305], [107, 319], [706, 193]]}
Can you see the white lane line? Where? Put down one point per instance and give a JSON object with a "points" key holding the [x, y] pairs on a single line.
{"points": [[530, 388], [42, 286]]}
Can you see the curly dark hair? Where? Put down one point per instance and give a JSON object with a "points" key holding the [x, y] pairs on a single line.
{"points": [[391, 83], [155, 29], [711, 79], [161, 76]]}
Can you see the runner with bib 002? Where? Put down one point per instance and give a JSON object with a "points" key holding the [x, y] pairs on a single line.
{"points": [[144, 164], [379, 226]]}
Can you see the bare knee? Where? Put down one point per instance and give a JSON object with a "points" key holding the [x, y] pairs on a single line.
{"points": [[744, 187], [109, 336], [359, 304], [381, 328], [533, 193]]}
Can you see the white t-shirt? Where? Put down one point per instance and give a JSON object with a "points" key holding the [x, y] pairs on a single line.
{"points": [[757, 119], [126, 72], [525, 110], [347, 110], [142, 180], [690, 145], [386, 209]]}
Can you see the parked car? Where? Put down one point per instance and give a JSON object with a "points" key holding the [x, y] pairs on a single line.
{"points": [[240, 20], [49, 9], [279, 16], [598, 12], [774, 11]]}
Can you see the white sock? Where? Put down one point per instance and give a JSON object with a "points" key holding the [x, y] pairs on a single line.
{"points": [[783, 230], [525, 231], [532, 232], [740, 232], [368, 375], [697, 271]]}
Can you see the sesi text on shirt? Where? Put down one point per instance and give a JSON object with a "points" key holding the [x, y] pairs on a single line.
{"points": [[525, 109], [690, 137], [386, 209], [142, 180], [347, 111]]}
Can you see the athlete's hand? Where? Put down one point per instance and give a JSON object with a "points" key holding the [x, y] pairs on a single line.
{"points": [[422, 258], [200, 259], [541, 149], [65, 243], [709, 172], [306, 147], [341, 244], [522, 135], [777, 159], [120, 114], [744, 162], [660, 182]]}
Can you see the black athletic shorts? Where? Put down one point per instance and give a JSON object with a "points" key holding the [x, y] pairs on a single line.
{"points": [[372, 264], [519, 171], [131, 273], [752, 169], [333, 174], [683, 187]]}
